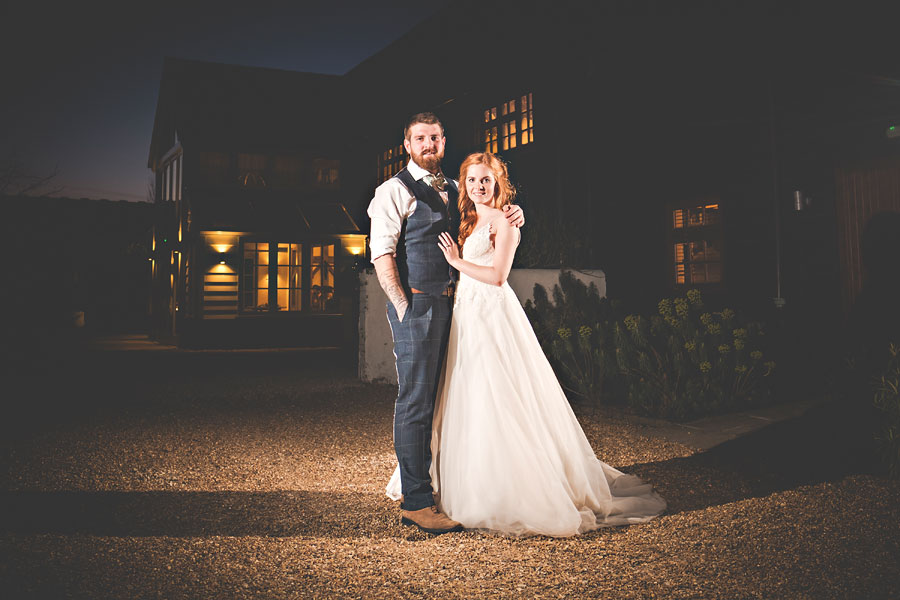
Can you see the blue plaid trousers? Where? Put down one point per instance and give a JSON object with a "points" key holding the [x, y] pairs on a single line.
{"points": [[420, 342]]}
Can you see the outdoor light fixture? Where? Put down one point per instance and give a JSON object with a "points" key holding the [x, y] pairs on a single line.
{"points": [[221, 262], [800, 201]]}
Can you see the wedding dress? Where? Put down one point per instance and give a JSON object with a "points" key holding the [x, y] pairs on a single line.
{"points": [[508, 452]]}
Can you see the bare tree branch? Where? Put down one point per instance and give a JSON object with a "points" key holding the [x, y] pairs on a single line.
{"points": [[16, 179]]}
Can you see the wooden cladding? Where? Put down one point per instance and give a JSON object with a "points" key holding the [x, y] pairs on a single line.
{"points": [[220, 293], [861, 191]]}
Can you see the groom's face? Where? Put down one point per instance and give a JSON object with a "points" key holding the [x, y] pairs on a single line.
{"points": [[426, 145]]}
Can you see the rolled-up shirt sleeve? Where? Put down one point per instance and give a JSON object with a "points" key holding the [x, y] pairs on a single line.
{"points": [[390, 206]]}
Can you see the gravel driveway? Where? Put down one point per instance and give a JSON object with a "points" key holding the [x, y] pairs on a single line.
{"points": [[261, 475]]}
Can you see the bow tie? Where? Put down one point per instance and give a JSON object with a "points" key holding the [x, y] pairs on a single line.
{"points": [[436, 181]]}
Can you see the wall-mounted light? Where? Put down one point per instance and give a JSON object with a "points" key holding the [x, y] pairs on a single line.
{"points": [[801, 202], [221, 262]]}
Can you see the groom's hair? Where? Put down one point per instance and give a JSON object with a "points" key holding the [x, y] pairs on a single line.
{"points": [[429, 118]]}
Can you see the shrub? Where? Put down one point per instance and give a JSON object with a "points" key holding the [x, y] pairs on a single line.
{"points": [[686, 361], [887, 405], [575, 331]]}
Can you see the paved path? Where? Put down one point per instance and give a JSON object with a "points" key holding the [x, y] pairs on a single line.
{"points": [[708, 432]]}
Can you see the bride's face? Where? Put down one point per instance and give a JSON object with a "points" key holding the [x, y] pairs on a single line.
{"points": [[481, 184]]}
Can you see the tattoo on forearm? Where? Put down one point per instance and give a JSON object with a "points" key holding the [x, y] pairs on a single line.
{"points": [[389, 279]]}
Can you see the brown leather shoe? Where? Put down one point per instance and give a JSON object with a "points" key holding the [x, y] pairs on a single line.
{"points": [[430, 520]]}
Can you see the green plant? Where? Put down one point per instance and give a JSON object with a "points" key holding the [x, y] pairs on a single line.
{"points": [[575, 331], [686, 361], [887, 405]]}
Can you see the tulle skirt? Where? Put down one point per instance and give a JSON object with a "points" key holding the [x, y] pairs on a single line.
{"points": [[508, 452]]}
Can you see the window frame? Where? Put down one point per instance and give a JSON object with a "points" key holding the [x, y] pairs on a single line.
{"points": [[391, 161], [272, 276], [497, 127], [308, 304], [705, 232]]}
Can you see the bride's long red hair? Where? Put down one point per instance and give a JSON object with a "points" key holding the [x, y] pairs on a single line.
{"points": [[504, 192]]}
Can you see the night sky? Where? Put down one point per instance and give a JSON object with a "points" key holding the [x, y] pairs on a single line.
{"points": [[80, 79]]}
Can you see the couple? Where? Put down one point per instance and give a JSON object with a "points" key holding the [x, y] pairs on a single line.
{"points": [[485, 437]]}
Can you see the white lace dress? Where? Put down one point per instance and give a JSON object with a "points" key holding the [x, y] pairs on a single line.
{"points": [[508, 453]]}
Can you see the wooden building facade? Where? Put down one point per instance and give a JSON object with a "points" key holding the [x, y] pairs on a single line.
{"points": [[253, 245], [674, 145], [677, 145]]}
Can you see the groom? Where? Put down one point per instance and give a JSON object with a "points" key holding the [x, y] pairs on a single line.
{"points": [[408, 212]]}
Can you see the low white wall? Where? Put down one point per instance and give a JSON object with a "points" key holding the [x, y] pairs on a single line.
{"points": [[376, 347]]}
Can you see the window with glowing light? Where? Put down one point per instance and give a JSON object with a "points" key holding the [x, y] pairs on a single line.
{"points": [[508, 125], [696, 243], [321, 278], [272, 278], [390, 162]]}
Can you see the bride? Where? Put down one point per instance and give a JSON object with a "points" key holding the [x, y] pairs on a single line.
{"points": [[508, 452]]}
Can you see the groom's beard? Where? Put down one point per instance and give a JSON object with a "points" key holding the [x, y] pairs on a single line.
{"points": [[429, 161]]}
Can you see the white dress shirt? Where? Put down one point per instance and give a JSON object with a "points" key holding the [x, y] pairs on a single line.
{"points": [[393, 203]]}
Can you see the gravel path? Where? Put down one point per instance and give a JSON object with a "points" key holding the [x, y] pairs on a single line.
{"points": [[261, 475]]}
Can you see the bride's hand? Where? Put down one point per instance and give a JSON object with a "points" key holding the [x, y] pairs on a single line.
{"points": [[448, 247]]}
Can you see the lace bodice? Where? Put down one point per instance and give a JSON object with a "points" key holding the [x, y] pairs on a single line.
{"points": [[479, 250]]}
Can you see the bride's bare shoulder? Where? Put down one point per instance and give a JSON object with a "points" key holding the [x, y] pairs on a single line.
{"points": [[499, 223]]}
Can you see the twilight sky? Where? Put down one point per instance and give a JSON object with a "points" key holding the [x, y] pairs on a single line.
{"points": [[80, 79]]}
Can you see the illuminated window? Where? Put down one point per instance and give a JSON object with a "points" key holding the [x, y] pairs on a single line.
{"points": [[295, 275], [509, 125], [696, 238], [695, 216], [322, 278], [272, 277], [391, 162]]}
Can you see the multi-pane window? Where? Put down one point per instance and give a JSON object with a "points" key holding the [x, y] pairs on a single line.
{"points": [[509, 125], [294, 272], [390, 162], [697, 244], [321, 277], [695, 216], [256, 276], [272, 277]]}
